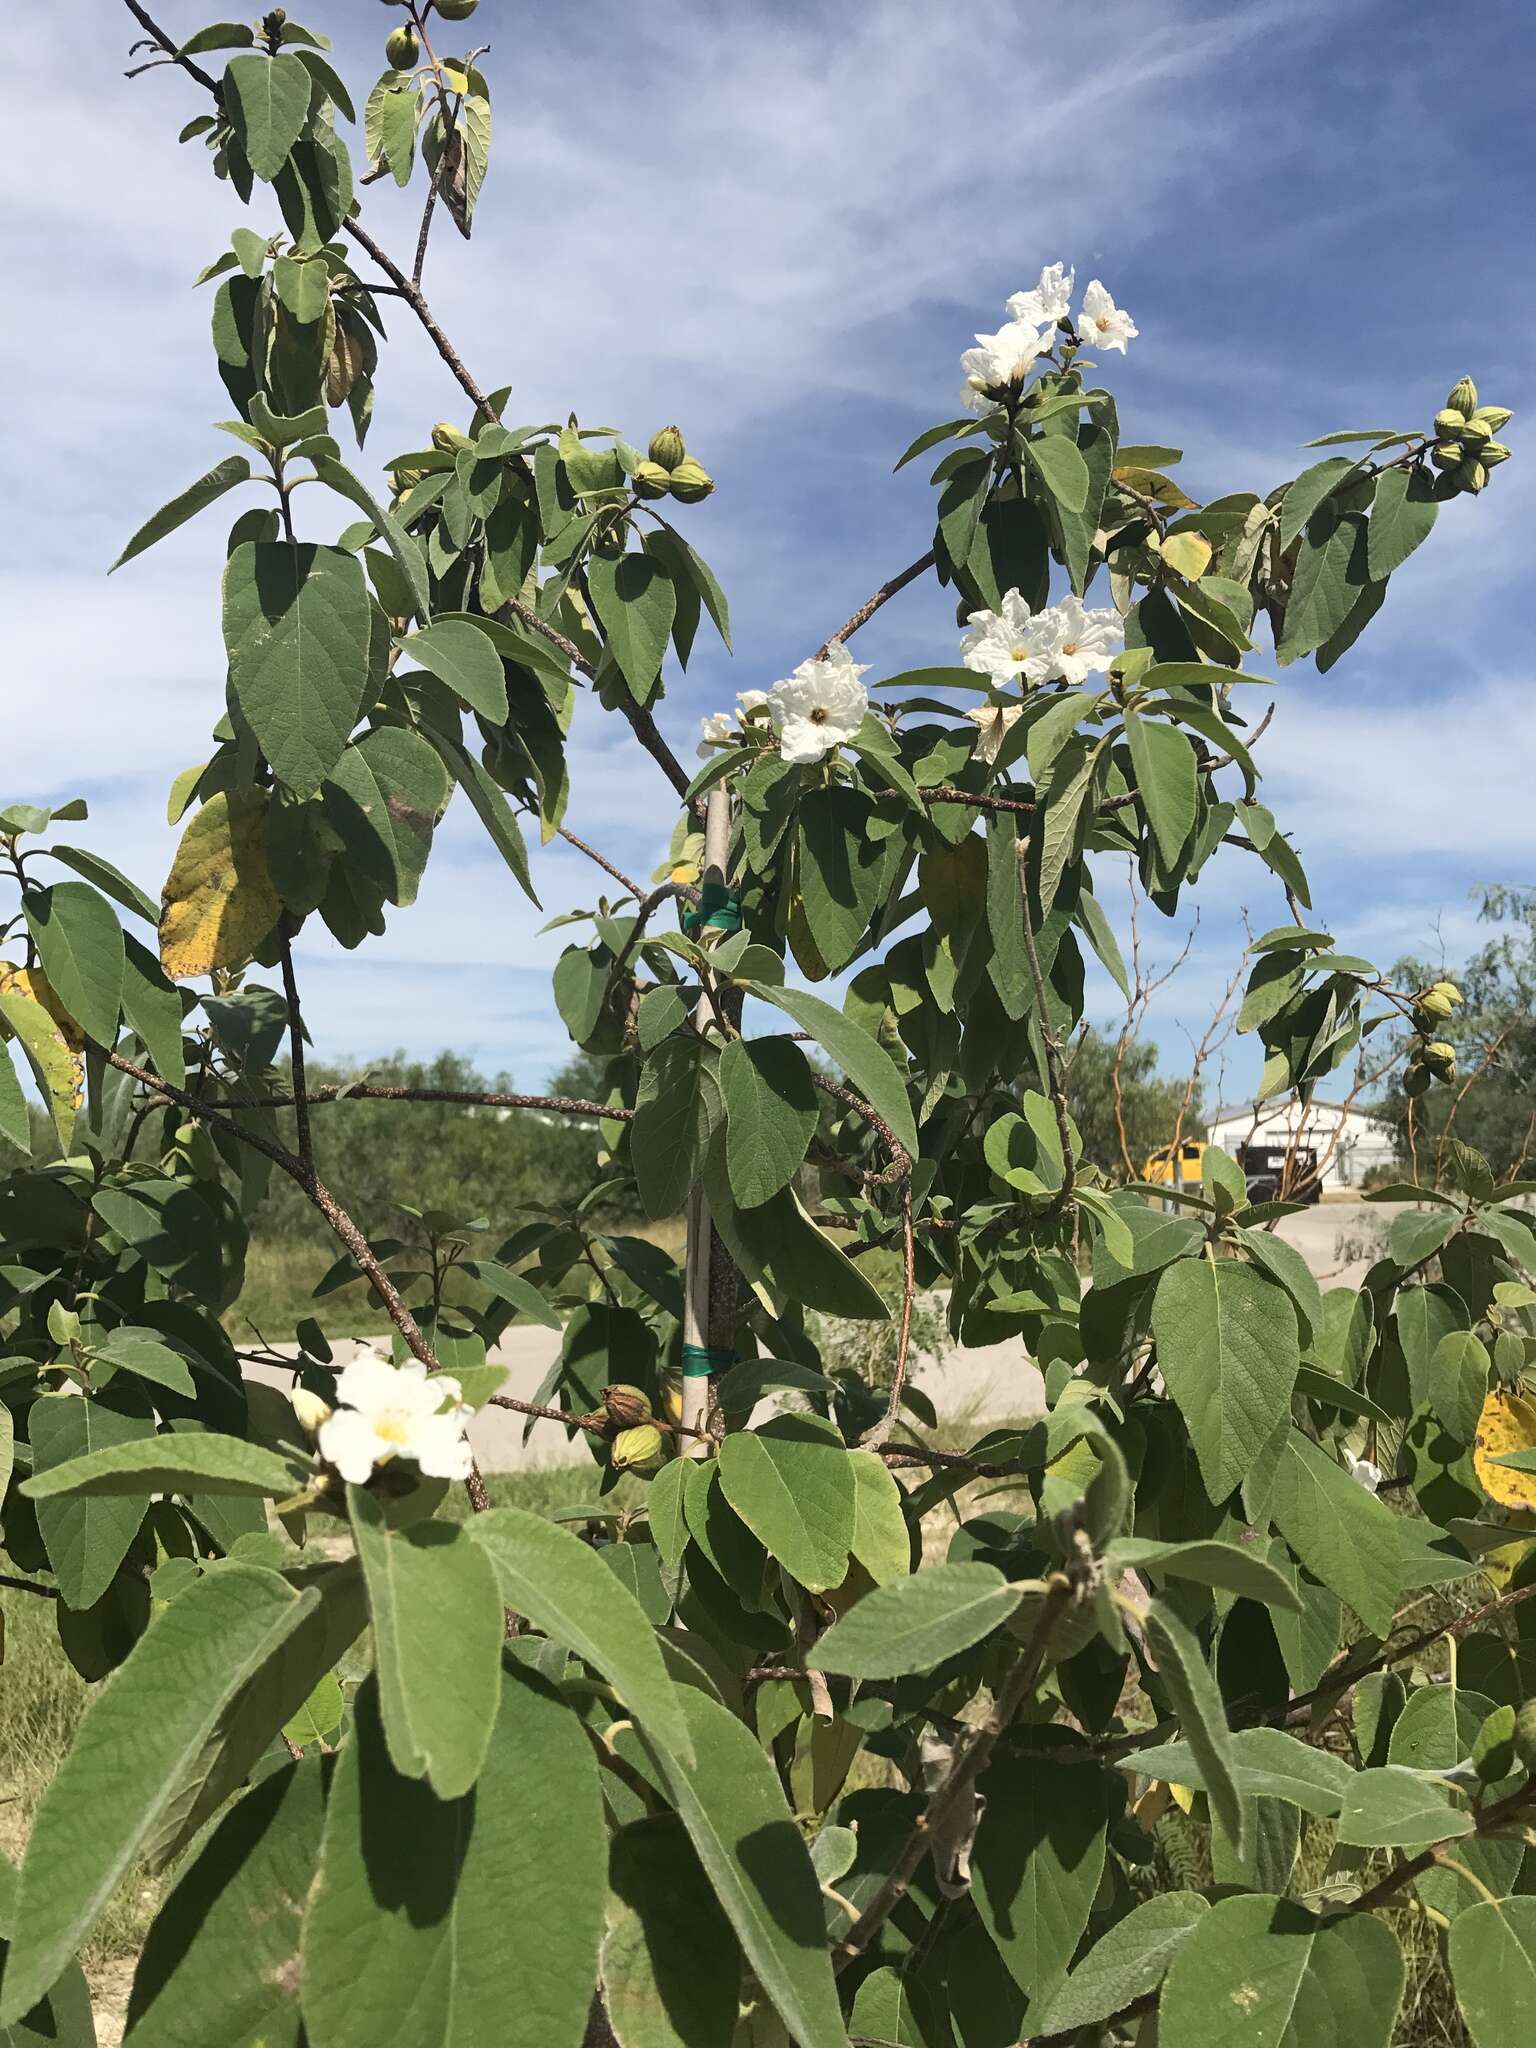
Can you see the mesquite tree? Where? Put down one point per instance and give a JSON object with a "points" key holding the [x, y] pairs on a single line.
{"points": [[1166, 1700]]}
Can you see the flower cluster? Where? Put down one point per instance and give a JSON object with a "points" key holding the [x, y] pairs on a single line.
{"points": [[387, 1411], [1001, 360], [1068, 642], [817, 709]]}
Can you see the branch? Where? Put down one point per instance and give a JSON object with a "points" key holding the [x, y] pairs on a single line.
{"points": [[368, 1091], [867, 610], [296, 1044], [643, 725], [631, 887], [153, 28], [1048, 1043], [967, 1766], [904, 1335], [10, 1585]]}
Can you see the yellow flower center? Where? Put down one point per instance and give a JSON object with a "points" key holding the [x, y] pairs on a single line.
{"points": [[1102, 325], [1021, 653], [392, 1427], [1069, 647]]}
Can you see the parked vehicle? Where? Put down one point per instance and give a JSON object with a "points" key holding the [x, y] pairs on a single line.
{"points": [[1159, 1168], [1278, 1173]]}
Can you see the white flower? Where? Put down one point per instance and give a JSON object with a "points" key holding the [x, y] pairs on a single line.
{"points": [[995, 721], [1051, 299], [392, 1411], [1000, 359], [310, 1410], [718, 727], [1363, 1472], [1072, 642], [819, 707], [998, 644], [751, 700], [1102, 323]]}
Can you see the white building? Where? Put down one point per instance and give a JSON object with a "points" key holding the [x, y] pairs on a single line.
{"points": [[1348, 1142]]}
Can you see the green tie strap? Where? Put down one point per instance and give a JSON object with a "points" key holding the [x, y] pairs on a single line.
{"points": [[699, 1361], [718, 908]]}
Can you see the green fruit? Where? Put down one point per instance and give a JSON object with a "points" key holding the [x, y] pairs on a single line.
{"points": [[456, 10], [1493, 416], [627, 1405], [402, 47], [1445, 454], [1449, 993], [1434, 1004], [691, 481], [1492, 453], [1462, 398], [667, 448], [1448, 425], [1472, 476], [449, 438], [1440, 1058], [638, 1450], [1475, 433], [651, 480]]}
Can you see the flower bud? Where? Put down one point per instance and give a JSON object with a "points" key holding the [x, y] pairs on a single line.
{"points": [[1492, 453], [691, 482], [667, 447], [1472, 476], [1462, 398], [1493, 416], [402, 47], [1444, 454], [651, 480], [310, 1410], [449, 438], [1449, 992], [628, 1406], [343, 367], [1433, 1005], [1474, 433], [638, 1450], [1448, 425]]}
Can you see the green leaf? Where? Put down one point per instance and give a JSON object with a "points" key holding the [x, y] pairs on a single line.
{"points": [[86, 1540], [1264, 1763], [882, 1542], [914, 1623], [635, 603], [1207, 1563], [1282, 1262], [757, 1865], [1343, 1535], [490, 806], [464, 658], [400, 544], [778, 1237], [1458, 1382], [1059, 464], [141, 1352], [673, 549], [220, 1965], [188, 1231], [15, 1118], [1196, 1699], [665, 1134], [190, 1462], [1419, 1233], [320, 1716], [1037, 1864], [1330, 577], [267, 100], [1395, 1807], [437, 1630], [791, 1483], [296, 626], [383, 799], [460, 1923], [1493, 1967], [1125, 1964], [871, 1070], [1309, 491], [1166, 781], [1228, 1350], [1402, 513], [770, 1115], [234, 469], [1261, 1969], [110, 880], [561, 1585], [62, 2018], [138, 1735], [80, 948], [512, 1287], [671, 1965]]}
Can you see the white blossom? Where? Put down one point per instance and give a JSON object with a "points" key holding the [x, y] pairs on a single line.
{"points": [[389, 1411], [309, 1410], [1050, 301], [1102, 323], [994, 721], [819, 707], [714, 730], [751, 700], [998, 644], [1363, 1472], [1000, 359], [1071, 642]]}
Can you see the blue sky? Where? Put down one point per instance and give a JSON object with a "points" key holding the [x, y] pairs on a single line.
{"points": [[779, 226]]}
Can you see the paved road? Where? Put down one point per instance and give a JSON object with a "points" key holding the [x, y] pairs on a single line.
{"points": [[994, 1383]]}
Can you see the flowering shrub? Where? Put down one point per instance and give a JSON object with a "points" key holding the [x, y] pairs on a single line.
{"points": [[843, 1736]]}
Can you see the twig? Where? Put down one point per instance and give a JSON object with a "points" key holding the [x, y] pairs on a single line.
{"points": [[1048, 1042], [632, 888], [10, 1585], [368, 1091], [904, 1334], [295, 1044], [870, 606]]}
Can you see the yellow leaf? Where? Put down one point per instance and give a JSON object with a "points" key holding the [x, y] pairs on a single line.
{"points": [[1182, 1797], [1189, 554], [1507, 1423], [218, 901], [50, 1039]]}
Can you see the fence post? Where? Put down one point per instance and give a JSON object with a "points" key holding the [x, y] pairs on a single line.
{"points": [[709, 1276]]}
